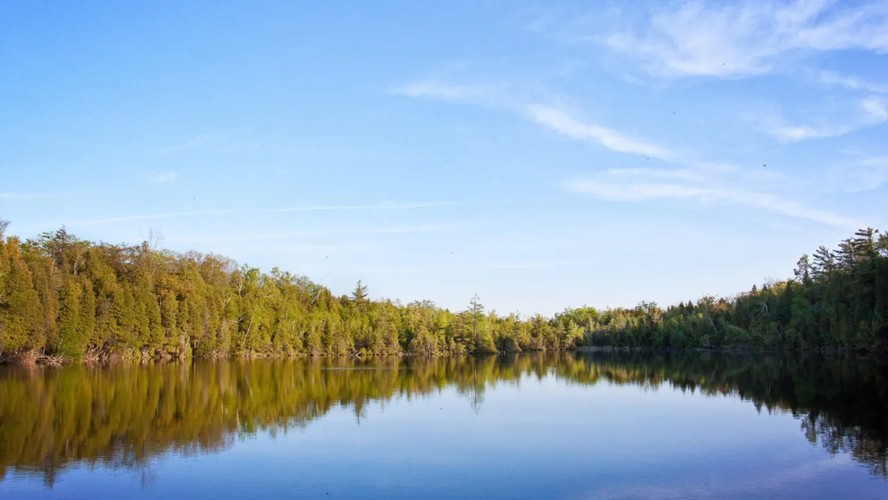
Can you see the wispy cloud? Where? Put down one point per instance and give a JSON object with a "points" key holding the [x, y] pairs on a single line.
{"points": [[236, 211], [360, 208], [414, 229], [534, 264], [795, 133], [871, 111], [554, 118], [7, 195], [864, 174], [877, 162], [431, 89], [751, 37], [568, 125], [162, 177], [640, 185], [701, 182], [393, 230], [851, 82], [683, 174], [875, 108], [188, 144]]}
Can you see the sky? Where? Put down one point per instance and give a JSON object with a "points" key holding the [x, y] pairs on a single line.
{"points": [[542, 155]]}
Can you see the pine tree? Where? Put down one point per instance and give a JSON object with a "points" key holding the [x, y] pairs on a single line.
{"points": [[19, 302]]}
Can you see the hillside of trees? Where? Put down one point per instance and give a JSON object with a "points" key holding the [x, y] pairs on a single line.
{"points": [[62, 298]]}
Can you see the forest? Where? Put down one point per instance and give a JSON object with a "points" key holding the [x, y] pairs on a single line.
{"points": [[65, 299]]}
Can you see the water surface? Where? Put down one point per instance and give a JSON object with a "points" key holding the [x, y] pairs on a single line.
{"points": [[623, 425]]}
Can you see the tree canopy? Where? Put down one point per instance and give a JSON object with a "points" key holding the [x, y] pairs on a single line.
{"points": [[62, 296]]}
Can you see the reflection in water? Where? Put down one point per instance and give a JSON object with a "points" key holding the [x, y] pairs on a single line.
{"points": [[123, 415], [841, 403]]}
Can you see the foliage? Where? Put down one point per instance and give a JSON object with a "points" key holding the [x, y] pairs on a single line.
{"points": [[837, 301], [63, 296]]}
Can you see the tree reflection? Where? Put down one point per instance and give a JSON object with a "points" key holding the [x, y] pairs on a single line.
{"points": [[123, 415]]}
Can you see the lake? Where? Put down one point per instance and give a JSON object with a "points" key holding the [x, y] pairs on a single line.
{"points": [[601, 425]]}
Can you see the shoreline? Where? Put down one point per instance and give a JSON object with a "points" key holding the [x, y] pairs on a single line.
{"points": [[106, 358]]}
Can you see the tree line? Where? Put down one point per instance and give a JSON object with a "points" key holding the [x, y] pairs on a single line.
{"points": [[837, 300], [65, 298]]}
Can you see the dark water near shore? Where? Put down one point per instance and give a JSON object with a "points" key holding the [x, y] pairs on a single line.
{"points": [[620, 425]]}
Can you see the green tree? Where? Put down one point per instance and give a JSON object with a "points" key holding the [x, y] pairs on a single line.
{"points": [[359, 295], [19, 302]]}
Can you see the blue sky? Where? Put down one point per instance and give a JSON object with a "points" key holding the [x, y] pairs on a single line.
{"points": [[539, 154]]}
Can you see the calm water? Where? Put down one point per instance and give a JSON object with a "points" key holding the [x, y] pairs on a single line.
{"points": [[614, 426]]}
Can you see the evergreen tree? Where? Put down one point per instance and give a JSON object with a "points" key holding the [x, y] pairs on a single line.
{"points": [[359, 295]]}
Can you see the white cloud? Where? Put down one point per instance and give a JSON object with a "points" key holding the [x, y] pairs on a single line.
{"points": [[795, 133], [439, 90], [684, 174], [533, 264], [749, 38], [260, 211], [337, 232], [851, 82], [430, 89], [189, 144], [870, 112], [379, 206], [566, 124], [23, 196], [639, 185], [864, 175], [703, 182], [617, 189], [161, 177], [876, 109], [553, 118], [873, 173]]}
